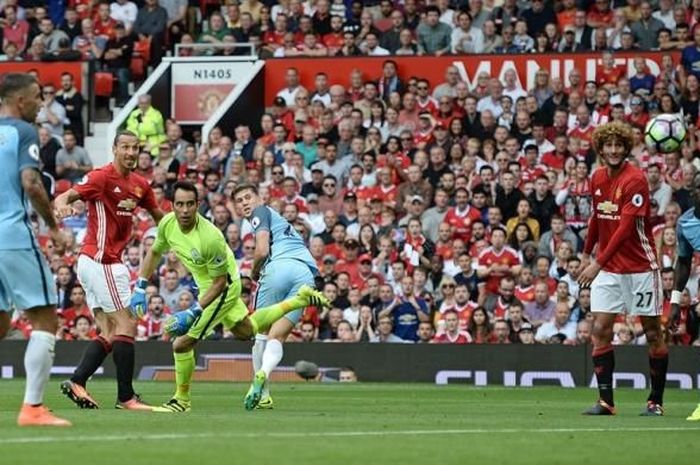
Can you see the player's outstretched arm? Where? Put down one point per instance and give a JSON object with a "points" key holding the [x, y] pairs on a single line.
{"points": [[34, 187], [62, 203]]}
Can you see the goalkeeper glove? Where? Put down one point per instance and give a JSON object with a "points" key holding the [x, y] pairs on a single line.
{"points": [[137, 302], [181, 322]]}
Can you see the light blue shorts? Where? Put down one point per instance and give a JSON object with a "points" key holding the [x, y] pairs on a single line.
{"points": [[282, 279], [26, 280]]}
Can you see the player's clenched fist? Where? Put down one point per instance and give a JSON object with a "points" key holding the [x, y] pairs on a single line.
{"points": [[137, 302], [180, 322]]}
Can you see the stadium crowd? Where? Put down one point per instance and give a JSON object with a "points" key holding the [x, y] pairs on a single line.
{"points": [[437, 212]]}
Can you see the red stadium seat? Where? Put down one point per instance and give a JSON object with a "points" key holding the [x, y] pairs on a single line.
{"points": [[137, 68], [142, 48], [104, 84]]}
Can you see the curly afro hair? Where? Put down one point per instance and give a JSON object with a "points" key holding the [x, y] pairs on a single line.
{"points": [[617, 130]]}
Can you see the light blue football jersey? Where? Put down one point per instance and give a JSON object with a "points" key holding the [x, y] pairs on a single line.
{"points": [[19, 150], [285, 242], [688, 232]]}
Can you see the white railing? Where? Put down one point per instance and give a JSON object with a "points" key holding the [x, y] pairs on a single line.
{"points": [[200, 50]]}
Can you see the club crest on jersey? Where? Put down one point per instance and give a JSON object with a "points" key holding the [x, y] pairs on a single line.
{"points": [[618, 193], [138, 192], [196, 256]]}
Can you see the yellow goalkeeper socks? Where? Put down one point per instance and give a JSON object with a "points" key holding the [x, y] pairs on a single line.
{"points": [[184, 367], [263, 318]]}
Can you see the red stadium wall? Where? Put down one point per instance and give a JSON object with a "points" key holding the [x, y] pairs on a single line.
{"points": [[48, 72], [433, 68]]}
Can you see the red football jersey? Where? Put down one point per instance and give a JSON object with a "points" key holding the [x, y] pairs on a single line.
{"points": [[462, 337], [152, 327], [461, 222], [386, 195], [111, 200], [625, 194], [583, 133], [333, 42], [430, 104], [525, 294], [273, 37], [553, 160], [489, 256], [299, 201]]}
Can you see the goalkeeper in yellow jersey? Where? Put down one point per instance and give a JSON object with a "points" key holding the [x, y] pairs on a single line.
{"points": [[202, 249]]}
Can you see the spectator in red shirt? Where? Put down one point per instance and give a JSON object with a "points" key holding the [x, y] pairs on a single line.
{"points": [[584, 128], [349, 264], [452, 334], [83, 328], [152, 326], [639, 117], [15, 30], [104, 25], [497, 305], [78, 305], [333, 41], [462, 215], [501, 332], [600, 15], [290, 189], [497, 261]]}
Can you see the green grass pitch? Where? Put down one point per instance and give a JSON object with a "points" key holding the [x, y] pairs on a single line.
{"points": [[365, 424]]}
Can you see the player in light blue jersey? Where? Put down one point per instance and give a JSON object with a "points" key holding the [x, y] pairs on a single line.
{"points": [[26, 282], [282, 264], [688, 232]]}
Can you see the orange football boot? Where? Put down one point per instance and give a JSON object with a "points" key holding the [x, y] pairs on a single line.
{"points": [[39, 415]]}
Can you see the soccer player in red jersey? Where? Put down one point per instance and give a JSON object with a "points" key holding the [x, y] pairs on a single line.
{"points": [[624, 276], [112, 193]]}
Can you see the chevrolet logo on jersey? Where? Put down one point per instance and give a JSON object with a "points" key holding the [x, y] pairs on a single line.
{"points": [[607, 207], [608, 211], [127, 204]]}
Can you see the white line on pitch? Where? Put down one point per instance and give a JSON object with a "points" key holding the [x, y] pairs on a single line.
{"points": [[155, 437]]}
